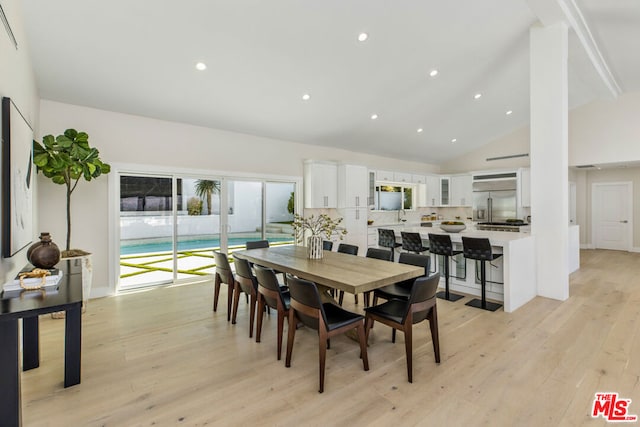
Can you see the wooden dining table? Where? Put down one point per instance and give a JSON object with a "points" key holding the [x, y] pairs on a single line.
{"points": [[349, 273]]}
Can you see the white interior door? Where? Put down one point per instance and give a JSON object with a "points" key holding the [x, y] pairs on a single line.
{"points": [[572, 204], [612, 216]]}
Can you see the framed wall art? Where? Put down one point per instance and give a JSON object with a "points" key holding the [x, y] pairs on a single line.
{"points": [[17, 180]]}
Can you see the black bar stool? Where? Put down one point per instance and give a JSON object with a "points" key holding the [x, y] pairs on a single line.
{"points": [[412, 242], [440, 244], [480, 250], [387, 239]]}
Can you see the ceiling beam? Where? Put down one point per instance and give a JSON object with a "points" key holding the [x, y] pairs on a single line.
{"points": [[552, 11]]}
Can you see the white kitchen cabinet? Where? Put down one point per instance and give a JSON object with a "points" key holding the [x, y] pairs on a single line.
{"points": [[524, 187], [355, 222], [402, 177], [445, 188], [418, 179], [384, 175], [429, 193], [372, 237], [461, 190], [320, 185], [353, 186]]}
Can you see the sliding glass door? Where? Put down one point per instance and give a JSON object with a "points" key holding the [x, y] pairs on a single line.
{"points": [[169, 225]]}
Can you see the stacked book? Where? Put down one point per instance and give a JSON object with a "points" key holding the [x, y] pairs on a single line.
{"points": [[50, 282]]}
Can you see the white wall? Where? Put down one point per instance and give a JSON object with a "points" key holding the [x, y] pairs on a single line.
{"points": [[18, 83], [606, 131], [127, 139]]}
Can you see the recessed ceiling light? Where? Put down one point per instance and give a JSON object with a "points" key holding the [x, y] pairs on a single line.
{"points": [[454, 140], [420, 130], [508, 113], [201, 66], [374, 116], [477, 96], [306, 97], [363, 37], [433, 73]]}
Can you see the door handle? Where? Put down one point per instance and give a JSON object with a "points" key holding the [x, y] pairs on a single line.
{"points": [[624, 221]]}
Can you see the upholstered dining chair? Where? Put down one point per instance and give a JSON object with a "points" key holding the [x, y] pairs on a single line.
{"points": [[327, 245], [223, 276], [345, 248], [328, 319], [402, 315], [245, 282], [401, 290], [257, 244], [270, 294], [381, 254]]}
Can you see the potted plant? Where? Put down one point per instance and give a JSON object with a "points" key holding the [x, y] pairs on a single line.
{"points": [[66, 160], [320, 227]]}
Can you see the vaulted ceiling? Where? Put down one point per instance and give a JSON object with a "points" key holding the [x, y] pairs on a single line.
{"points": [[261, 57]]}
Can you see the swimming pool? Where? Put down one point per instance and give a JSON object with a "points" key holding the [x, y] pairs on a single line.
{"points": [[143, 248]]}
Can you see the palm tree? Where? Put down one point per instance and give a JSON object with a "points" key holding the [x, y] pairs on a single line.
{"points": [[205, 188]]}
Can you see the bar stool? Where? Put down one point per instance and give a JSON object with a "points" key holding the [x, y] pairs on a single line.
{"points": [[387, 239], [440, 244], [480, 250], [412, 242]]}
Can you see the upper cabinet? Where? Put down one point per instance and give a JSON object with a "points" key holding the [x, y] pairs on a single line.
{"points": [[445, 186], [384, 175], [353, 186], [320, 185], [402, 177], [429, 192], [460, 190], [524, 187]]}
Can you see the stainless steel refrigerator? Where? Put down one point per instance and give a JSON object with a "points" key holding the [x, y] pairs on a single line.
{"points": [[494, 200]]}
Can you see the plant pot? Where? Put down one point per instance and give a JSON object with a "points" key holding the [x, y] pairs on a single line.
{"points": [[314, 247]]}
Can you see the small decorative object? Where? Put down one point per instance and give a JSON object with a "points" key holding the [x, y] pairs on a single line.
{"points": [[369, 222], [321, 227], [35, 273], [452, 226], [45, 253]]}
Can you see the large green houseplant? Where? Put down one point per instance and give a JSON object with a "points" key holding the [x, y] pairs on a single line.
{"points": [[66, 159]]}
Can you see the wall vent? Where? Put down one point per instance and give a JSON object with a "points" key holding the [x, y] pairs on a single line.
{"points": [[7, 27], [512, 156]]}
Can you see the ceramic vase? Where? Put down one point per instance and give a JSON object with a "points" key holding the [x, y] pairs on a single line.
{"points": [[314, 247], [45, 253]]}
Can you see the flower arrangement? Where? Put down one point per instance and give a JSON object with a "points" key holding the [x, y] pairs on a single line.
{"points": [[322, 225]]}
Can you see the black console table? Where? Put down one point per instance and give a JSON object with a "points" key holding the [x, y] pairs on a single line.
{"points": [[68, 298]]}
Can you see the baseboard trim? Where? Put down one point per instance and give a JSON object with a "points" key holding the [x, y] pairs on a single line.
{"points": [[636, 249]]}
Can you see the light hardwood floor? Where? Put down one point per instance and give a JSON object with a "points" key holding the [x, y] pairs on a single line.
{"points": [[162, 357]]}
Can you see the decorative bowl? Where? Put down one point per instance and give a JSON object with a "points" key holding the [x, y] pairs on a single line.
{"points": [[452, 226], [369, 222]]}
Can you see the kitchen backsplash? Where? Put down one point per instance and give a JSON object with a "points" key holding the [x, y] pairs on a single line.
{"points": [[414, 216]]}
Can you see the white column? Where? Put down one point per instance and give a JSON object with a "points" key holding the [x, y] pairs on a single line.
{"points": [[549, 158]]}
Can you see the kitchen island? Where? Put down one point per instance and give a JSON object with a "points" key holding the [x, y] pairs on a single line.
{"points": [[517, 264]]}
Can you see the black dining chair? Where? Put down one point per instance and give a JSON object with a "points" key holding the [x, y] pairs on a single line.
{"points": [[402, 315], [327, 245], [326, 318], [223, 276], [345, 248], [245, 282], [402, 290], [270, 294], [381, 254], [257, 244], [387, 239]]}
